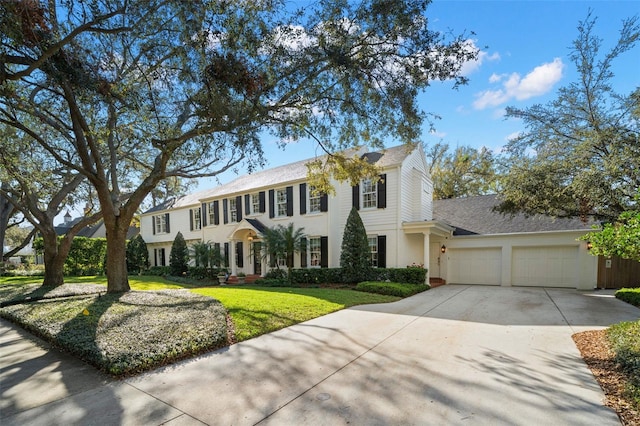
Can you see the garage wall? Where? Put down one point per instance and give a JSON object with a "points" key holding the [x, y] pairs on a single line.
{"points": [[549, 259]]}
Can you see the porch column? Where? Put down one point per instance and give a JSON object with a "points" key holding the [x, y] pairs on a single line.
{"points": [[232, 257], [426, 241]]}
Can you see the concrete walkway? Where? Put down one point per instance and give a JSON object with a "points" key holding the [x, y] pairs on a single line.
{"points": [[452, 355]]}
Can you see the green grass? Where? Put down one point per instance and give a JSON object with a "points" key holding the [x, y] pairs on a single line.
{"points": [[145, 328], [258, 310]]}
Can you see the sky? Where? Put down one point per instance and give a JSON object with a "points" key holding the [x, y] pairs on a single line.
{"points": [[524, 59]]}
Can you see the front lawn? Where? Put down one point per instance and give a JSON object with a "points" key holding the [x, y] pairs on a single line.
{"points": [[260, 310], [140, 330]]}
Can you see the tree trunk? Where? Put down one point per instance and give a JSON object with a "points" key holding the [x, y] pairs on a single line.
{"points": [[117, 277], [55, 254]]}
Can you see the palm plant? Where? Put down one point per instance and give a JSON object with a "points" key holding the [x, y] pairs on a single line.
{"points": [[282, 242]]}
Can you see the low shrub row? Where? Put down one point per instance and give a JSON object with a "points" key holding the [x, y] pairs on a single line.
{"points": [[392, 288], [625, 342], [629, 295], [409, 275]]}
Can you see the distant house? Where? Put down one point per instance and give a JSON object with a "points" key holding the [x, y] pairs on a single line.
{"points": [[460, 241], [97, 230]]}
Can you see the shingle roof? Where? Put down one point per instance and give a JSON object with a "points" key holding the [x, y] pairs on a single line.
{"points": [[475, 215], [275, 176]]}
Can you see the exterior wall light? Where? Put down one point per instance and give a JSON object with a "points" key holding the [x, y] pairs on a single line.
{"points": [[589, 245], [443, 248]]}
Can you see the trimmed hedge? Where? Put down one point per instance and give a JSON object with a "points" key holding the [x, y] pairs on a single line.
{"points": [[157, 271], [629, 295], [392, 288], [625, 342], [409, 275]]}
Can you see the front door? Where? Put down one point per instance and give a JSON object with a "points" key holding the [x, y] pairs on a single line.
{"points": [[257, 258]]}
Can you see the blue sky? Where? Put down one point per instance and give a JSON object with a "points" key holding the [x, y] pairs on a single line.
{"points": [[524, 59]]}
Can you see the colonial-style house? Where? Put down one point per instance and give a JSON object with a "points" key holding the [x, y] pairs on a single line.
{"points": [[398, 214]]}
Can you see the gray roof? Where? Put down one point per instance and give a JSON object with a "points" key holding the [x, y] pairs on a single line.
{"points": [[475, 215], [278, 175]]}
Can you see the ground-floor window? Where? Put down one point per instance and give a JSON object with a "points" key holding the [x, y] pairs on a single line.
{"points": [[373, 247], [314, 252]]}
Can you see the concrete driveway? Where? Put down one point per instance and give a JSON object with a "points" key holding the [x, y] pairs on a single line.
{"points": [[452, 355]]}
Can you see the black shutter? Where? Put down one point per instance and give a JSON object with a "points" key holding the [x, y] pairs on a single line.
{"points": [[239, 208], [190, 219], [153, 226], [355, 196], [262, 203], [166, 219], [203, 214], [272, 203], [324, 203], [324, 252], [303, 252], [216, 212], [290, 260], [226, 255], [216, 249], [382, 251], [155, 257], [303, 198], [239, 254], [247, 205], [289, 201], [225, 211], [382, 192]]}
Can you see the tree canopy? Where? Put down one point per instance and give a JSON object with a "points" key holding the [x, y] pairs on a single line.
{"points": [[463, 172], [129, 93], [580, 154]]}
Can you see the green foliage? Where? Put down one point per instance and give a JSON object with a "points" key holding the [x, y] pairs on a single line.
{"points": [[200, 253], [391, 288], [355, 256], [137, 255], [283, 242], [86, 255], [179, 257], [158, 271], [466, 171], [580, 155], [127, 333], [621, 238], [625, 342], [629, 295], [412, 275], [317, 276]]}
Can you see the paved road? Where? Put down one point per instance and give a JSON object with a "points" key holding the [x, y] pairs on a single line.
{"points": [[452, 355]]}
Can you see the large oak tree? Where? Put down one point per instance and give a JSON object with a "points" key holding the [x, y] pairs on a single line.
{"points": [[135, 92], [580, 154]]}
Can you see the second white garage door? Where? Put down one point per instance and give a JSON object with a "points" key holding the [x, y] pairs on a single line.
{"points": [[544, 266], [475, 266]]}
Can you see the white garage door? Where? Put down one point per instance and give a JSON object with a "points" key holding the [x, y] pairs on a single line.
{"points": [[475, 266], [545, 266]]}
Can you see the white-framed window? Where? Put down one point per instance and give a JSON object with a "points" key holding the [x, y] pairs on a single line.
{"points": [[369, 194], [233, 210], [281, 202], [212, 216], [373, 247], [314, 252], [282, 261], [314, 200], [160, 224], [197, 218], [255, 203]]}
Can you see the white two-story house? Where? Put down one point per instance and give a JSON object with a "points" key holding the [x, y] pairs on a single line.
{"points": [[396, 211], [459, 241]]}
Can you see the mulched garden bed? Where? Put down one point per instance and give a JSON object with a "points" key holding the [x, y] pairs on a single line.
{"points": [[595, 350]]}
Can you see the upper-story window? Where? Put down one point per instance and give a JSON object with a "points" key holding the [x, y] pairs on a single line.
{"points": [[161, 224], [281, 202], [369, 194], [255, 203], [314, 200], [211, 208], [233, 209], [196, 218]]}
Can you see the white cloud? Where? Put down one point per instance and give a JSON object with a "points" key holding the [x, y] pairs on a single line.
{"points": [[537, 82], [470, 67], [437, 134], [513, 135]]}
